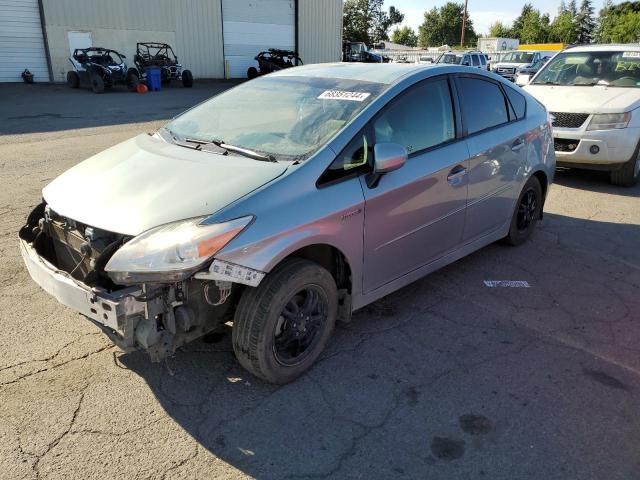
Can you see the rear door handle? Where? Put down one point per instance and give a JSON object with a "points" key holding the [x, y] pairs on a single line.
{"points": [[517, 144], [456, 175]]}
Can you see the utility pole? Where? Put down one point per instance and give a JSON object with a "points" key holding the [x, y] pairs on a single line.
{"points": [[464, 24]]}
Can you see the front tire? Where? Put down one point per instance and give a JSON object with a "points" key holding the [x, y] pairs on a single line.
{"points": [[132, 82], [97, 83], [526, 214], [629, 174], [187, 79], [73, 79], [282, 326]]}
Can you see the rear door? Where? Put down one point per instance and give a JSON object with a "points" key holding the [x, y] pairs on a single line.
{"points": [[496, 143], [415, 214]]}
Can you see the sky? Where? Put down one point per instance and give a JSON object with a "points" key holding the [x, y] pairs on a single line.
{"points": [[482, 12]]}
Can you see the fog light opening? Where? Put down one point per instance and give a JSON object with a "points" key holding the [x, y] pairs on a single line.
{"points": [[594, 149]]}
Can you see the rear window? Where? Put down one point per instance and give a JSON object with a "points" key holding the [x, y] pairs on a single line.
{"points": [[483, 105], [518, 102]]}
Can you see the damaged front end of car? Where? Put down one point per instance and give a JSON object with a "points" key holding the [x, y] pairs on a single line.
{"points": [[154, 292]]}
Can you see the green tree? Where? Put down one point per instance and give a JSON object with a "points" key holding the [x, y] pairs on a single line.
{"points": [[618, 23], [516, 29], [585, 22], [405, 36], [535, 27], [443, 26], [564, 28], [366, 20], [499, 29]]}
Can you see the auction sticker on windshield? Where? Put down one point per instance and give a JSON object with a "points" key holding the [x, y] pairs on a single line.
{"points": [[630, 54], [343, 95]]}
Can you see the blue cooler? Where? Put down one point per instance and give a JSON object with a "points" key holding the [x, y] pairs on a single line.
{"points": [[154, 79]]}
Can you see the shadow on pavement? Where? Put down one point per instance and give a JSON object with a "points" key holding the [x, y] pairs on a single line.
{"points": [[55, 107], [443, 379], [595, 181]]}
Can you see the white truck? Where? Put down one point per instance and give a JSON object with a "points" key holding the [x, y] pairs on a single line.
{"points": [[513, 62]]}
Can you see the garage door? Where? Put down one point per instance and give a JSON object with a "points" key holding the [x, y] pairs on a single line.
{"points": [[252, 26], [21, 43]]}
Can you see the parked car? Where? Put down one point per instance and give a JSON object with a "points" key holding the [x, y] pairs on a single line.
{"points": [[513, 62], [523, 75], [593, 93], [362, 181], [469, 59], [155, 54], [100, 68], [273, 60], [359, 52], [425, 59]]}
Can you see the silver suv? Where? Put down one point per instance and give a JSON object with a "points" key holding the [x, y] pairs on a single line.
{"points": [[288, 202], [468, 59]]}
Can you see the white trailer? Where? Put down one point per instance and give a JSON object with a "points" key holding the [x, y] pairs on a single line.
{"points": [[497, 44]]}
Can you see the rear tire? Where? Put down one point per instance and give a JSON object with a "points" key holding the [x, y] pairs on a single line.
{"points": [[252, 73], [629, 174], [282, 326], [526, 214], [187, 79], [97, 83], [73, 79]]}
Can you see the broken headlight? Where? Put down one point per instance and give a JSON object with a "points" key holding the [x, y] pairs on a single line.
{"points": [[171, 252]]}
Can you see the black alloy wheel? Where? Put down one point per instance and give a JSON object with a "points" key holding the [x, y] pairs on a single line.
{"points": [[302, 318]]}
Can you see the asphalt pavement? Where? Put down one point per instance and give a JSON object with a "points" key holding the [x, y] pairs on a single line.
{"points": [[447, 378]]}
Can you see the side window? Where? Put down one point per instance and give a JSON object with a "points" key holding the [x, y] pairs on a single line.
{"points": [[518, 102], [476, 60], [483, 105], [466, 60], [483, 60], [356, 158], [419, 118]]}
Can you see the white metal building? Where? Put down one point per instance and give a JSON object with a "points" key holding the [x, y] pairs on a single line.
{"points": [[213, 38]]}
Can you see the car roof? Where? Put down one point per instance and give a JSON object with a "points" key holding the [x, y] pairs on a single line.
{"points": [[612, 47], [366, 72]]}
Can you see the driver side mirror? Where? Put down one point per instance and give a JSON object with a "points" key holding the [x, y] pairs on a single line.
{"points": [[465, 63], [523, 79], [387, 158]]}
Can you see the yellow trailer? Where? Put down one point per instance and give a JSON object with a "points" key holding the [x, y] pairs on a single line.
{"points": [[542, 46]]}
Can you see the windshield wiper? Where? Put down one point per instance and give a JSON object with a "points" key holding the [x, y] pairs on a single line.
{"points": [[245, 152], [547, 82]]}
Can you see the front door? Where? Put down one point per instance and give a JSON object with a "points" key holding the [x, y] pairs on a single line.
{"points": [[416, 214]]}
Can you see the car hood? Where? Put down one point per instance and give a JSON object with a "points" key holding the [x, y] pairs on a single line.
{"points": [[596, 99], [145, 182]]}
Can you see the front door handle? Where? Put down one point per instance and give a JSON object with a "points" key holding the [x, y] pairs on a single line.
{"points": [[517, 144], [456, 175]]}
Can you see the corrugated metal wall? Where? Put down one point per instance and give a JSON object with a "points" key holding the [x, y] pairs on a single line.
{"points": [[21, 43], [320, 30], [192, 27]]}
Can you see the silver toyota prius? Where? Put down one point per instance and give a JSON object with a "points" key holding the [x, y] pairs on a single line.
{"points": [[286, 203]]}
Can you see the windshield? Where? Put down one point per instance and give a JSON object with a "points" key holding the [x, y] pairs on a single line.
{"points": [[450, 58], [615, 69], [518, 57], [287, 117]]}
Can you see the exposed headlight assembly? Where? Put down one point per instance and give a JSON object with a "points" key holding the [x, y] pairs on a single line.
{"points": [[608, 121], [171, 252]]}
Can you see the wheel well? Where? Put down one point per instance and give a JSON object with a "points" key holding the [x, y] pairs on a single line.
{"points": [[542, 178], [331, 259]]}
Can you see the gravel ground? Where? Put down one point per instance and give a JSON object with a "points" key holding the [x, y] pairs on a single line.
{"points": [[445, 379]]}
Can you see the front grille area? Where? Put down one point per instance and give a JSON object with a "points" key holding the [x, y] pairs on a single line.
{"points": [[506, 70], [569, 120], [565, 144]]}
